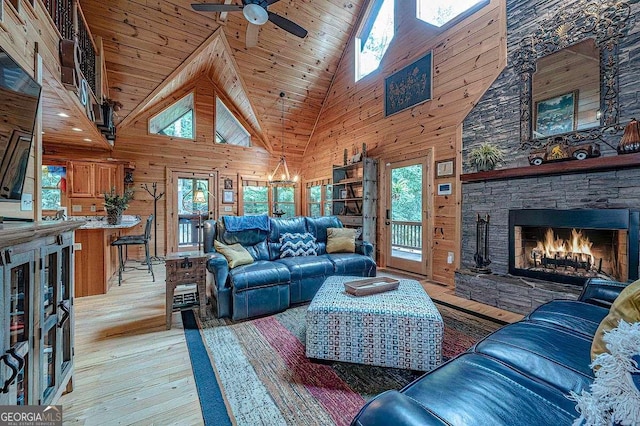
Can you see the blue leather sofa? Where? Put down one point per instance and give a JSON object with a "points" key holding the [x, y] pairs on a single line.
{"points": [[270, 284], [519, 375]]}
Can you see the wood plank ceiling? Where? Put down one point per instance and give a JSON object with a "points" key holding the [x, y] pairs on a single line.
{"points": [[146, 41]]}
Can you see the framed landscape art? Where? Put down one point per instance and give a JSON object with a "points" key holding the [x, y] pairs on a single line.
{"points": [[556, 115]]}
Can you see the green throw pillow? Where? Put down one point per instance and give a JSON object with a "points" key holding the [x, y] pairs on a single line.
{"points": [[235, 254], [341, 240], [625, 307]]}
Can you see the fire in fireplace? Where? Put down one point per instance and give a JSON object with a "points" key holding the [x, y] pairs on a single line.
{"points": [[572, 245]]}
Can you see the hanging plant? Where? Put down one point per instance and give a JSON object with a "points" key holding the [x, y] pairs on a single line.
{"points": [[485, 157]]}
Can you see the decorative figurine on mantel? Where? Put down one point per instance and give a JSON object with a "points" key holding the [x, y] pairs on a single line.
{"points": [[630, 141]]}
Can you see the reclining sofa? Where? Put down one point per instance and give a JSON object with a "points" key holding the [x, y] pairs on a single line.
{"points": [[519, 375], [271, 284]]}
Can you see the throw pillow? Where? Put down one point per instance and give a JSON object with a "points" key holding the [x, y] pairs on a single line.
{"points": [[625, 307], [295, 244], [235, 254], [341, 240]]}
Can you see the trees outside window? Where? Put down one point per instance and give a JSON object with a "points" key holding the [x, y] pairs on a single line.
{"points": [[374, 37], [319, 200], [439, 12], [255, 200], [176, 120], [51, 186]]}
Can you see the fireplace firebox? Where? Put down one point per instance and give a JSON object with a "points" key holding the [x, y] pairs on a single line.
{"points": [[570, 246]]}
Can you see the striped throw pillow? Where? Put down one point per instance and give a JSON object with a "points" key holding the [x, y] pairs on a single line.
{"points": [[294, 244]]}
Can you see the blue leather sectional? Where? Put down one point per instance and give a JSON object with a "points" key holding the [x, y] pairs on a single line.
{"points": [[270, 284], [519, 375]]}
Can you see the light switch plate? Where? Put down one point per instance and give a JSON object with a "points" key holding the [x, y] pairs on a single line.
{"points": [[26, 202], [76, 208], [228, 208], [93, 207], [77, 246]]}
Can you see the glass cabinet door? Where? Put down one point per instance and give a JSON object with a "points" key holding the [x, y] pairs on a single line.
{"points": [[17, 361]]}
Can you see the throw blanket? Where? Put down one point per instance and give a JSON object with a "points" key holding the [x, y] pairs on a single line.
{"points": [[243, 223]]}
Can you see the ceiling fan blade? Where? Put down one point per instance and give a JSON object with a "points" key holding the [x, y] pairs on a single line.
{"points": [[209, 7], [251, 36], [287, 25]]}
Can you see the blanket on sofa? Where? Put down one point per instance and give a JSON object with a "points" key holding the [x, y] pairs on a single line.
{"points": [[244, 223]]}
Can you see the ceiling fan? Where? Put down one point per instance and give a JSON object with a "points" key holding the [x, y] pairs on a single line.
{"points": [[255, 11]]}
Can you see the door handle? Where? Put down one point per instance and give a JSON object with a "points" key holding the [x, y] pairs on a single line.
{"points": [[65, 314], [387, 222]]}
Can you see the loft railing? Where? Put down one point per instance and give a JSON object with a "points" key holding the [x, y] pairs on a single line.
{"points": [[70, 22], [61, 12], [406, 234], [87, 50]]}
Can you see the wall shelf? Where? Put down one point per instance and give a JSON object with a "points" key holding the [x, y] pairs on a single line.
{"points": [[557, 168]]}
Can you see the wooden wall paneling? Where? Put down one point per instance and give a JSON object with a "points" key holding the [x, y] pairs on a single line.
{"points": [[467, 57]]}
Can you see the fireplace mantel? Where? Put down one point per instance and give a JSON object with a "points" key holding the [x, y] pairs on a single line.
{"points": [[557, 168]]}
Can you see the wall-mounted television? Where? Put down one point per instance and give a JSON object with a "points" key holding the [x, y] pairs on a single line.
{"points": [[19, 97]]}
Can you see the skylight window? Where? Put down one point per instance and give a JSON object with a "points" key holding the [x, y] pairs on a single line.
{"points": [[228, 129], [439, 12], [374, 37], [176, 120]]}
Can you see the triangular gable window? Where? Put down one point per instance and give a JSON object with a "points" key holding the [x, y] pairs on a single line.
{"points": [[175, 120], [439, 12], [374, 37], [228, 129]]}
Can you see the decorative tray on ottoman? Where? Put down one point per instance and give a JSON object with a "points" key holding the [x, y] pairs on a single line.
{"points": [[370, 286]]}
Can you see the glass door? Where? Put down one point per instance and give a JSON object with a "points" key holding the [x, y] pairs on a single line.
{"points": [[17, 360], [406, 216], [195, 205]]}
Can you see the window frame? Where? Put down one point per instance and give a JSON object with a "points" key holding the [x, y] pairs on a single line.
{"points": [[261, 184], [455, 19], [216, 131], [325, 204], [52, 188], [193, 118]]}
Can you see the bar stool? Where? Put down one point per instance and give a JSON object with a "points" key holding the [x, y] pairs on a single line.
{"points": [[131, 240]]}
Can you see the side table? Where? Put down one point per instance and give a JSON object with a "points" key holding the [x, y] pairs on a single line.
{"points": [[188, 267]]}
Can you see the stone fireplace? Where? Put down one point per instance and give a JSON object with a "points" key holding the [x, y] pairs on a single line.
{"points": [[569, 246]]}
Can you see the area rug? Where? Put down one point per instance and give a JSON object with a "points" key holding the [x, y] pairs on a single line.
{"points": [[265, 377]]}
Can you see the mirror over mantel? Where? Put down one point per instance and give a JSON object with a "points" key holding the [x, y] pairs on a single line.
{"points": [[568, 72]]}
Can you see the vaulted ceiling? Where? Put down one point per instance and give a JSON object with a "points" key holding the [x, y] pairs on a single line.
{"points": [[149, 44]]}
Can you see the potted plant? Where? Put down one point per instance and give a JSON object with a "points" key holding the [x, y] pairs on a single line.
{"points": [[115, 204], [485, 157]]}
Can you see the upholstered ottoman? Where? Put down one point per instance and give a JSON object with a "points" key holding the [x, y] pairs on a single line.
{"points": [[400, 328]]}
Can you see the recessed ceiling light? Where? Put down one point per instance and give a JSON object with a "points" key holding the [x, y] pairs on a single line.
{"points": [[62, 114], [86, 140], [75, 129]]}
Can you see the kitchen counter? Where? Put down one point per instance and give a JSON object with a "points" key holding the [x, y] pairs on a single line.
{"points": [[96, 263]]}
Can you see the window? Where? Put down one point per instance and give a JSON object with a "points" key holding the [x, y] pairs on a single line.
{"points": [[228, 128], [439, 12], [374, 37], [176, 120], [284, 200], [53, 183], [319, 200], [255, 199]]}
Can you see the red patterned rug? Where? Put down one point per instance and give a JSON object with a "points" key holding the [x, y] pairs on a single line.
{"points": [[266, 378]]}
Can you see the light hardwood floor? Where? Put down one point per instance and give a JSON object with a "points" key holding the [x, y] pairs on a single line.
{"points": [[130, 370]]}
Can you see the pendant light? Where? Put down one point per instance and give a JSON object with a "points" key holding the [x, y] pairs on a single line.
{"points": [[284, 179]]}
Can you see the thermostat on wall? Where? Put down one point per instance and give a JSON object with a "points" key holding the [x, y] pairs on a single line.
{"points": [[444, 188]]}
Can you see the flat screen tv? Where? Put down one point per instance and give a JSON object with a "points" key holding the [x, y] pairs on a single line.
{"points": [[19, 97]]}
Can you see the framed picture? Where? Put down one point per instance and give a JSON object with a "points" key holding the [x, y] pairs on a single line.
{"points": [[445, 168], [409, 86], [343, 193], [556, 115], [228, 184], [227, 196]]}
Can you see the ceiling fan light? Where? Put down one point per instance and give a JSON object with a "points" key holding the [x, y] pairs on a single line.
{"points": [[255, 14]]}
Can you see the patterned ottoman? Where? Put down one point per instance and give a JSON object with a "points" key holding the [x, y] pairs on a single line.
{"points": [[400, 328]]}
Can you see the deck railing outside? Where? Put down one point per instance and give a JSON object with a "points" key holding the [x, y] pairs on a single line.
{"points": [[188, 229], [406, 234]]}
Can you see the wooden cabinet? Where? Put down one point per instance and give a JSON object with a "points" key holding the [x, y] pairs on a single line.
{"points": [[81, 179], [355, 194], [106, 179], [36, 320], [184, 269]]}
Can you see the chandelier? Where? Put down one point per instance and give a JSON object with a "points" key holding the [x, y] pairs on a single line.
{"points": [[284, 179]]}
